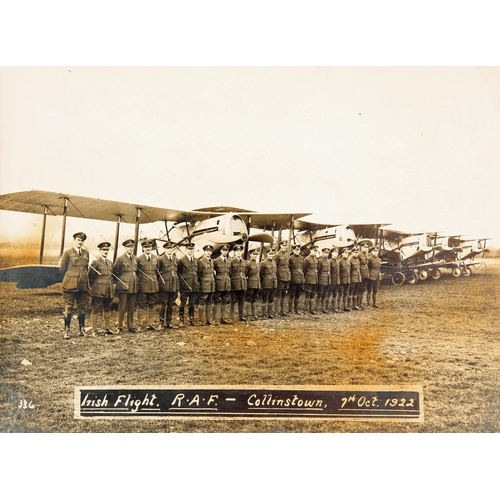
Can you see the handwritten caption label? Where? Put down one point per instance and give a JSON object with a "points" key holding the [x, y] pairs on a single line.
{"points": [[326, 402]]}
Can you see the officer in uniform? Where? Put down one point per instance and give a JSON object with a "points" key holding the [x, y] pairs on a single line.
{"points": [[188, 283], [282, 258], [253, 283], [101, 283], [237, 272], [355, 279], [125, 273], [222, 286], [296, 265], [374, 276], [147, 279], [268, 283], [363, 268], [168, 284], [323, 281], [345, 280], [335, 281], [74, 267], [311, 278], [206, 279]]}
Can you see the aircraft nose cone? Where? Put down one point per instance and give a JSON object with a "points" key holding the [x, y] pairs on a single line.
{"points": [[244, 237]]}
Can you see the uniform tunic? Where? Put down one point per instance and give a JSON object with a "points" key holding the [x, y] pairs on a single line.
{"points": [[167, 268], [374, 266], [268, 276], [237, 271], [323, 271], [125, 268], [282, 259], [222, 277], [188, 273], [363, 267], [74, 268], [147, 274], [296, 265], [334, 272], [311, 270], [355, 269], [344, 271], [253, 274], [206, 276], [101, 278]]}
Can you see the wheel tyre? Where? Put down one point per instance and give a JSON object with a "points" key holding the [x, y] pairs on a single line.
{"points": [[436, 274], [466, 272], [398, 278], [456, 272], [423, 275], [412, 278]]}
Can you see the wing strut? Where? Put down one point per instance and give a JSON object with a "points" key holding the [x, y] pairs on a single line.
{"points": [[136, 232], [249, 222], [117, 234], [44, 223], [63, 233]]}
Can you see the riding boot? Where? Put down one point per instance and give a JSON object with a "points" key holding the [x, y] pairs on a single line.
{"points": [[282, 306], [81, 324], [93, 322], [217, 313], [67, 323], [107, 323], [149, 319], [241, 312], [161, 314], [296, 306], [360, 300], [311, 306], [225, 311], [201, 314], [265, 314], [270, 307], [254, 310], [181, 317], [140, 318], [248, 307], [210, 315]]}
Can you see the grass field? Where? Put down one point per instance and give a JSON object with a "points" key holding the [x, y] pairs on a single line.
{"points": [[443, 335]]}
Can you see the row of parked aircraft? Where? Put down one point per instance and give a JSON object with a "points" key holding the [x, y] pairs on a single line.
{"points": [[407, 257]]}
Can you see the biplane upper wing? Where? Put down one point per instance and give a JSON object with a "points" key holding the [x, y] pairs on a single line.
{"points": [[302, 225], [369, 231], [270, 221], [41, 202]]}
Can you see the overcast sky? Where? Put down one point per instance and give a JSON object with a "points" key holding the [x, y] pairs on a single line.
{"points": [[418, 147]]}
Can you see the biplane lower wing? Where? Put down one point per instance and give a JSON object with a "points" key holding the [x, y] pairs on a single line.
{"points": [[31, 276]]}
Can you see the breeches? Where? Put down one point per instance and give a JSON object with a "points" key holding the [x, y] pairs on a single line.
{"points": [[81, 298], [268, 295]]}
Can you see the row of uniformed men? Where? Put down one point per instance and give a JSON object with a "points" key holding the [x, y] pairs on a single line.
{"points": [[330, 283]]}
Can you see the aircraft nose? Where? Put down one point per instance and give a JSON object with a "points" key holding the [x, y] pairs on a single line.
{"points": [[244, 237]]}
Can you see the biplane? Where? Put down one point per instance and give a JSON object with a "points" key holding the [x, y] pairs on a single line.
{"points": [[323, 235], [216, 226], [471, 248], [410, 257]]}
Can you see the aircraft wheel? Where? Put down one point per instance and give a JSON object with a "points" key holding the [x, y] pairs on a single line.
{"points": [[398, 278], [435, 274], [456, 272], [412, 278], [423, 275], [467, 271]]}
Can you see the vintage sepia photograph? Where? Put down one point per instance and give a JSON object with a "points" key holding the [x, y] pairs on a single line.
{"points": [[250, 245], [255, 230]]}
